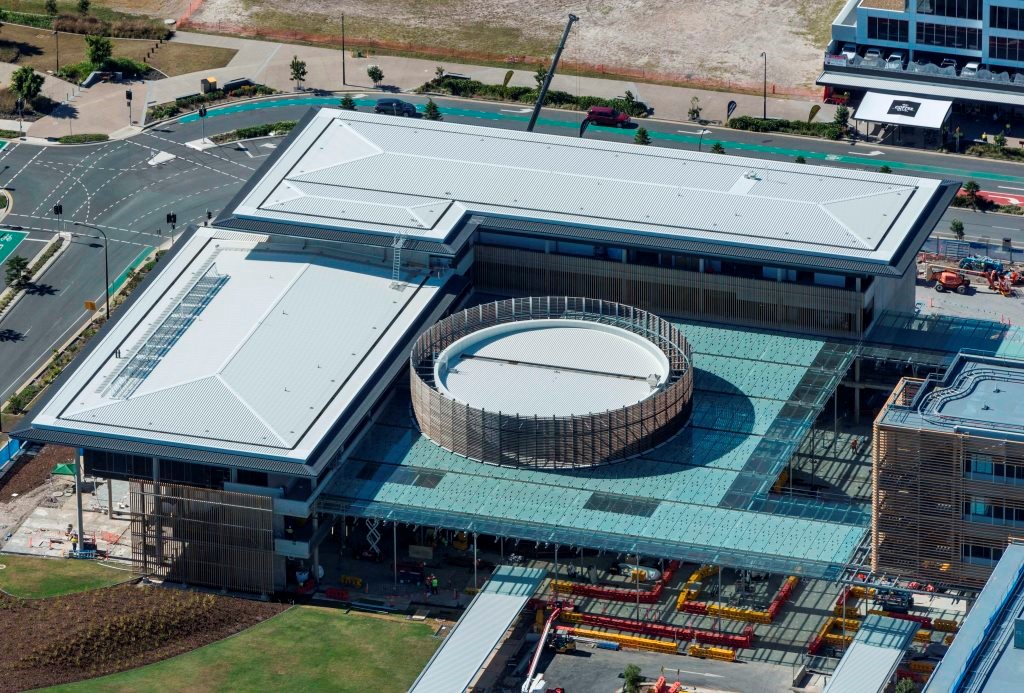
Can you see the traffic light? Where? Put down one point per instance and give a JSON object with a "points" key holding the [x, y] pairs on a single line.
{"points": [[172, 219], [202, 111], [209, 215], [128, 94], [58, 210]]}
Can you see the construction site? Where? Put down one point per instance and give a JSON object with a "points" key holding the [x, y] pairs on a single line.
{"points": [[575, 424]]}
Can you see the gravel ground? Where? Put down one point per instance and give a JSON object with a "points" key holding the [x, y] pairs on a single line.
{"points": [[24, 486], [702, 41]]}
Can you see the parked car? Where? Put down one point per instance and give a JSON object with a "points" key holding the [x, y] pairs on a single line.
{"points": [[646, 573], [948, 62], [607, 116], [395, 107], [895, 62], [849, 50], [970, 69], [873, 55]]}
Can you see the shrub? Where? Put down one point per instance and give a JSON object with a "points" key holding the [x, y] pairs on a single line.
{"points": [[831, 131], [472, 88], [7, 134], [164, 110], [83, 138], [39, 21], [136, 28], [252, 131]]}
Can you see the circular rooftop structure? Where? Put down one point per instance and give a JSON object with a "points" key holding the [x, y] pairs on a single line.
{"points": [[551, 382]]}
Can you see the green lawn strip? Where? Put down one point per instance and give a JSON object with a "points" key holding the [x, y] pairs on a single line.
{"points": [[306, 648], [34, 578]]}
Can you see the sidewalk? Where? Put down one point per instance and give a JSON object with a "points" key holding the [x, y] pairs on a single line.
{"points": [[102, 108]]}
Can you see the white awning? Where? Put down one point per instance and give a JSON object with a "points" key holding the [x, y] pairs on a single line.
{"points": [[900, 109]]}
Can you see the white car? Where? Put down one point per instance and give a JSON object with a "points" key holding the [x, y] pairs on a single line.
{"points": [[895, 61], [630, 570], [872, 55], [970, 70], [849, 51]]}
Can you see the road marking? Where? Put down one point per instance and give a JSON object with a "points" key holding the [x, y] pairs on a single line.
{"points": [[27, 164], [161, 158], [9, 242], [833, 157], [516, 110], [695, 132], [698, 673], [1006, 187], [874, 152], [45, 355], [1006, 228], [269, 145]]}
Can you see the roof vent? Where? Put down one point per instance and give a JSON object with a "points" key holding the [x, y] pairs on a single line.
{"points": [[752, 175]]}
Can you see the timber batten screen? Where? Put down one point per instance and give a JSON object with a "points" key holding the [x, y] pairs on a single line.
{"points": [[671, 291], [203, 536]]}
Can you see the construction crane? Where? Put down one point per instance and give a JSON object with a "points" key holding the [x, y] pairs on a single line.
{"points": [[551, 73]]}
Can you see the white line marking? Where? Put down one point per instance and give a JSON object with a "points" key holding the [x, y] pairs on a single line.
{"points": [[1006, 228], [1006, 187]]}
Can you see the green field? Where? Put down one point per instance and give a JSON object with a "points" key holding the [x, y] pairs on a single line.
{"points": [[34, 578], [304, 649]]}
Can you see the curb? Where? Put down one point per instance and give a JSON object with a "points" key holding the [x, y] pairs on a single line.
{"points": [[42, 270], [75, 335]]}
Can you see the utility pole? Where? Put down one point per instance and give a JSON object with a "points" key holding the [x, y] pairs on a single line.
{"points": [[551, 73], [56, 37], [764, 93], [343, 82]]}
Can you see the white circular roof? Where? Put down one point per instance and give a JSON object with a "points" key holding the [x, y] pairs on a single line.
{"points": [[557, 367]]}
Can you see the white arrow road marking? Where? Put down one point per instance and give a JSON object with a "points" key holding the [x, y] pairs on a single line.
{"points": [[1005, 187], [871, 153], [516, 110], [833, 157], [269, 145], [695, 132], [161, 158]]}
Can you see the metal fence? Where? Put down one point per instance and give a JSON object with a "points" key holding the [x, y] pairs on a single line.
{"points": [[551, 441]]}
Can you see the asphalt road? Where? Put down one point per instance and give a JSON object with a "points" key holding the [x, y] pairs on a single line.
{"points": [[119, 187]]}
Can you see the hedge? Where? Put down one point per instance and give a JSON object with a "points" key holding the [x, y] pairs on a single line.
{"points": [[83, 139], [471, 88], [246, 133], [189, 103], [830, 131], [994, 151], [10, 134], [126, 27], [77, 72]]}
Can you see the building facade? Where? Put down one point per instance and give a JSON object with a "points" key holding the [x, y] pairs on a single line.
{"points": [[948, 472]]}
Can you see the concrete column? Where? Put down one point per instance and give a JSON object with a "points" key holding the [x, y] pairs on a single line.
{"points": [[856, 392], [110, 498], [316, 550], [79, 464]]}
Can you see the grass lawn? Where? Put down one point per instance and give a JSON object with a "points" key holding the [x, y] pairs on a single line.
{"points": [[306, 648], [30, 577], [38, 49]]}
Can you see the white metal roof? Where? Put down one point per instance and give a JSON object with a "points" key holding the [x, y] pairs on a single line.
{"points": [[930, 89], [873, 656], [903, 110], [240, 345], [381, 174], [467, 648], [550, 368]]}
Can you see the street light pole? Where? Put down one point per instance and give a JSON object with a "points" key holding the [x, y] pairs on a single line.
{"points": [[700, 142], [764, 113], [106, 264], [343, 81], [56, 37]]}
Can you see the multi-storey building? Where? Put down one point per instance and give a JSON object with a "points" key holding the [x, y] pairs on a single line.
{"points": [[964, 50], [948, 475]]}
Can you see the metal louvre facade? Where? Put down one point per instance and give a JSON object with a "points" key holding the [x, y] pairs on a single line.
{"points": [[672, 291], [551, 442], [203, 536]]}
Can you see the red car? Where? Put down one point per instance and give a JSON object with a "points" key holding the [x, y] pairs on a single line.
{"points": [[607, 116]]}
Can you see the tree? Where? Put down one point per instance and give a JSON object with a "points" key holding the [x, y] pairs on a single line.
{"points": [[539, 75], [957, 227], [439, 73], [348, 103], [971, 190], [1000, 140], [842, 116], [641, 136], [51, 7], [695, 108], [375, 74], [885, 169], [99, 50], [83, 7], [717, 148], [16, 273], [905, 686], [26, 82], [632, 678], [800, 159], [431, 111], [298, 71]]}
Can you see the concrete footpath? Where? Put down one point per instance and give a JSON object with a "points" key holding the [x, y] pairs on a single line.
{"points": [[102, 108]]}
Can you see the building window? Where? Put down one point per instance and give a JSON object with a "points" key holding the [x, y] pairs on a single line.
{"points": [[949, 36], [983, 511], [982, 468], [1011, 18], [981, 464], [882, 29], [961, 9], [980, 555], [1002, 48]]}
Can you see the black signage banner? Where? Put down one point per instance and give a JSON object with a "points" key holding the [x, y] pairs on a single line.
{"points": [[904, 108]]}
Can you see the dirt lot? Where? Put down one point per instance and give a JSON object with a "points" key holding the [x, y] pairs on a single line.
{"points": [[117, 628], [701, 41]]}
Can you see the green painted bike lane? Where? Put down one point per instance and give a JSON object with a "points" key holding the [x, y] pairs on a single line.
{"points": [[123, 277], [627, 136], [9, 241]]}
